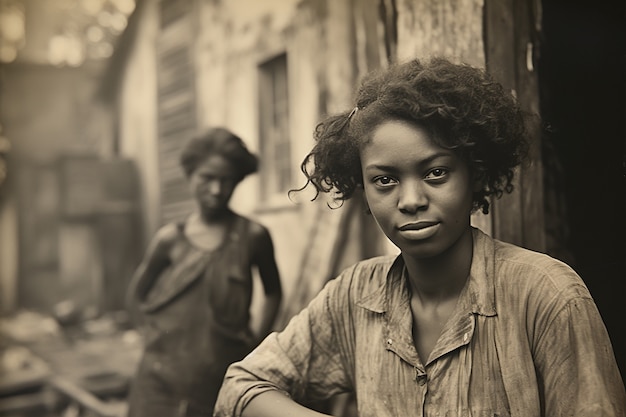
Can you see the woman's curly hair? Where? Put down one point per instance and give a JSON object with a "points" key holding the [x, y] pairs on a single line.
{"points": [[220, 141], [462, 107]]}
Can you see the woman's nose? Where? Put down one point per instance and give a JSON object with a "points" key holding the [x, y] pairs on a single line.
{"points": [[214, 186], [412, 197]]}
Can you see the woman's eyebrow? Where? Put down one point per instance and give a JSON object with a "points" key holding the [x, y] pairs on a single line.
{"points": [[425, 161], [387, 168], [437, 155]]}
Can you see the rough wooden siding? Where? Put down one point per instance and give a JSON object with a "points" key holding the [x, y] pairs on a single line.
{"points": [[441, 27], [528, 21], [177, 118], [500, 55], [510, 37]]}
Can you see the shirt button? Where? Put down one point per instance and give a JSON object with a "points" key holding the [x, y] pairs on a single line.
{"points": [[421, 380]]}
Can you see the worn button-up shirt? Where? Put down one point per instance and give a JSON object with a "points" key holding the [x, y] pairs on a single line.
{"points": [[525, 340]]}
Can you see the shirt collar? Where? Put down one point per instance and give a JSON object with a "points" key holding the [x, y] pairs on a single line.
{"points": [[479, 296]]}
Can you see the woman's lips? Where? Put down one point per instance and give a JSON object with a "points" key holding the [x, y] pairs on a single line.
{"points": [[419, 230], [417, 225]]}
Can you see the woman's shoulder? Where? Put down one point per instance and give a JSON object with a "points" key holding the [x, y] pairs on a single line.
{"points": [[537, 272], [168, 232], [252, 230], [507, 253], [367, 275]]}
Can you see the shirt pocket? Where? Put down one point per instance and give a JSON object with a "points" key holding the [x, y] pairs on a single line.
{"points": [[230, 300]]}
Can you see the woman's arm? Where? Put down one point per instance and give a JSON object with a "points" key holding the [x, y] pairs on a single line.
{"points": [[277, 404], [155, 260], [304, 363], [576, 364], [263, 258]]}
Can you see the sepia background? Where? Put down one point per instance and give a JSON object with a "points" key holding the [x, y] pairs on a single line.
{"points": [[98, 96]]}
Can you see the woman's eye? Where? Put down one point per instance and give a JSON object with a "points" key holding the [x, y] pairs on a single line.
{"points": [[384, 181], [437, 173]]}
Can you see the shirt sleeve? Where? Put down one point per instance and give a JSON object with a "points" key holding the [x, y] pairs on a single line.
{"points": [[576, 364], [303, 361]]}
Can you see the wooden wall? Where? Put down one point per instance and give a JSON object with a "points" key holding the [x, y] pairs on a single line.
{"points": [[511, 42]]}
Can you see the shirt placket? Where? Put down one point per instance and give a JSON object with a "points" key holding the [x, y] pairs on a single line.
{"points": [[399, 340], [457, 333]]}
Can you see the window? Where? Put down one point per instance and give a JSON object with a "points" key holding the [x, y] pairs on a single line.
{"points": [[274, 128]]}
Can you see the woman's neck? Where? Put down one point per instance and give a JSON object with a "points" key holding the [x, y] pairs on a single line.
{"points": [[213, 217], [207, 236], [444, 276]]}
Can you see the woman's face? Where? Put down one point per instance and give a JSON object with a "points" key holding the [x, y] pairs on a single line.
{"points": [[419, 193], [212, 184]]}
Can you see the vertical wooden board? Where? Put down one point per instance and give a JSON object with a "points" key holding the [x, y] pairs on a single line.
{"points": [[368, 39], [532, 196], [440, 27], [531, 181], [500, 56], [340, 57], [499, 40], [177, 108]]}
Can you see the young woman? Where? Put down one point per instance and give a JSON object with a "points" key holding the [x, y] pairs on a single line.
{"points": [[192, 291], [458, 324]]}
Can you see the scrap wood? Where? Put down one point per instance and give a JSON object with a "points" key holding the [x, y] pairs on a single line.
{"points": [[86, 399], [34, 401], [21, 371], [26, 380]]}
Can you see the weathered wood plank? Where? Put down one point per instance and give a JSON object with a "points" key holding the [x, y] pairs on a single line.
{"points": [[527, 24], [500, 58]]}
